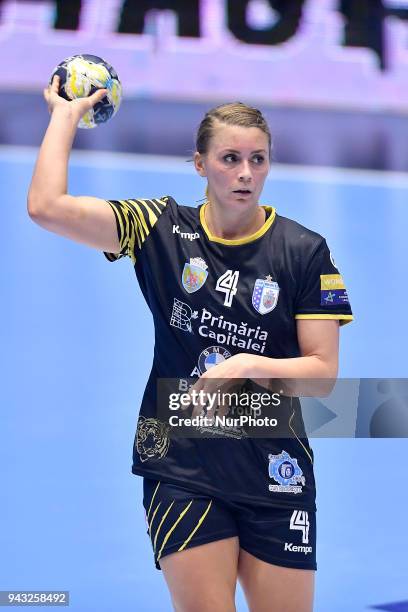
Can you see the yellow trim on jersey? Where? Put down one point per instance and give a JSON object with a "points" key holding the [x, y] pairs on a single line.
{"points": [[324, 316], [159, 210], [172, 528], [235, 242], [196, 527], [122, 223], [343, 319], [140, 216], [152, 216], [140, 232], [163, 201]]}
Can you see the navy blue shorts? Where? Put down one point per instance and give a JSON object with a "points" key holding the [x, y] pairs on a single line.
{"points": [[178, 518]]}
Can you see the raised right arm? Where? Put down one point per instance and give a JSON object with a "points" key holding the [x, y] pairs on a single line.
{"points": [[84, 219]]}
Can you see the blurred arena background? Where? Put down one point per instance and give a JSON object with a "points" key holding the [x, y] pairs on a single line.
{"points": [[331, 76]]}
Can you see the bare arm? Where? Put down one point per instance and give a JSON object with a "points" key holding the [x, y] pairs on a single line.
{"points": [[319, 347], [84, 219], [312, 374]]}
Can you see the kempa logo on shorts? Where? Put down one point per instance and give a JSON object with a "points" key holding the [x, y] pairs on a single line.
{"points": [[186, 235], [299, 521], [293, 548]]}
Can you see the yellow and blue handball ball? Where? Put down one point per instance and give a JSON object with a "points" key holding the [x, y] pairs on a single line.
{"points": [[82, 75]]}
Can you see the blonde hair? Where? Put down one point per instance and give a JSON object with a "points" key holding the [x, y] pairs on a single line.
{"points": [[233, 113]]}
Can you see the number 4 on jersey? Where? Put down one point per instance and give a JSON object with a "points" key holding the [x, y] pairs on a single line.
{"points": [[300, 521], [227, 283]]}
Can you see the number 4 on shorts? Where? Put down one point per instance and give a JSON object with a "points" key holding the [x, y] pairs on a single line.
{"points": [[227, 283], [300, 521]]}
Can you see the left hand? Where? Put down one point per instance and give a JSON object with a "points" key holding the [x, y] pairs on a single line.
{"points": [[221, 378]]}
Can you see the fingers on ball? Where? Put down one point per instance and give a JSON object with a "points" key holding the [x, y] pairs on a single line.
{"points": [[98, 95]]}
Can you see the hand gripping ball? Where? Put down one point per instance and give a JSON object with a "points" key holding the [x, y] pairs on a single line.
{"points": [[80, 76]]}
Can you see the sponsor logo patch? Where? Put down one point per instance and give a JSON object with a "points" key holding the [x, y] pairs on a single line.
{"points": [[212, 356], [332, 290], [218, 329], [181, 316]]}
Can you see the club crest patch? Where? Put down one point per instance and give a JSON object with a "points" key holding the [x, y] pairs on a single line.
{"points": [[265, 295], [194, 274], [285, 471]]}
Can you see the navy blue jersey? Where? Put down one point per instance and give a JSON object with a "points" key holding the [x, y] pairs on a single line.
{"points": [[212, 298]]}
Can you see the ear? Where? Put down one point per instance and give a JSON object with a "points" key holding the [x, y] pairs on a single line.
{"points": [[199, 164]]}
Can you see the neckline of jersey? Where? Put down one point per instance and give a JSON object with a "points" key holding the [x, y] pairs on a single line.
{"points": [[237, 241]]}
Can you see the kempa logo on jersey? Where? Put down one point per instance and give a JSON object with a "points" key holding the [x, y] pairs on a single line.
{"points": [[293, 548], [185, 235], [231, 334]]}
